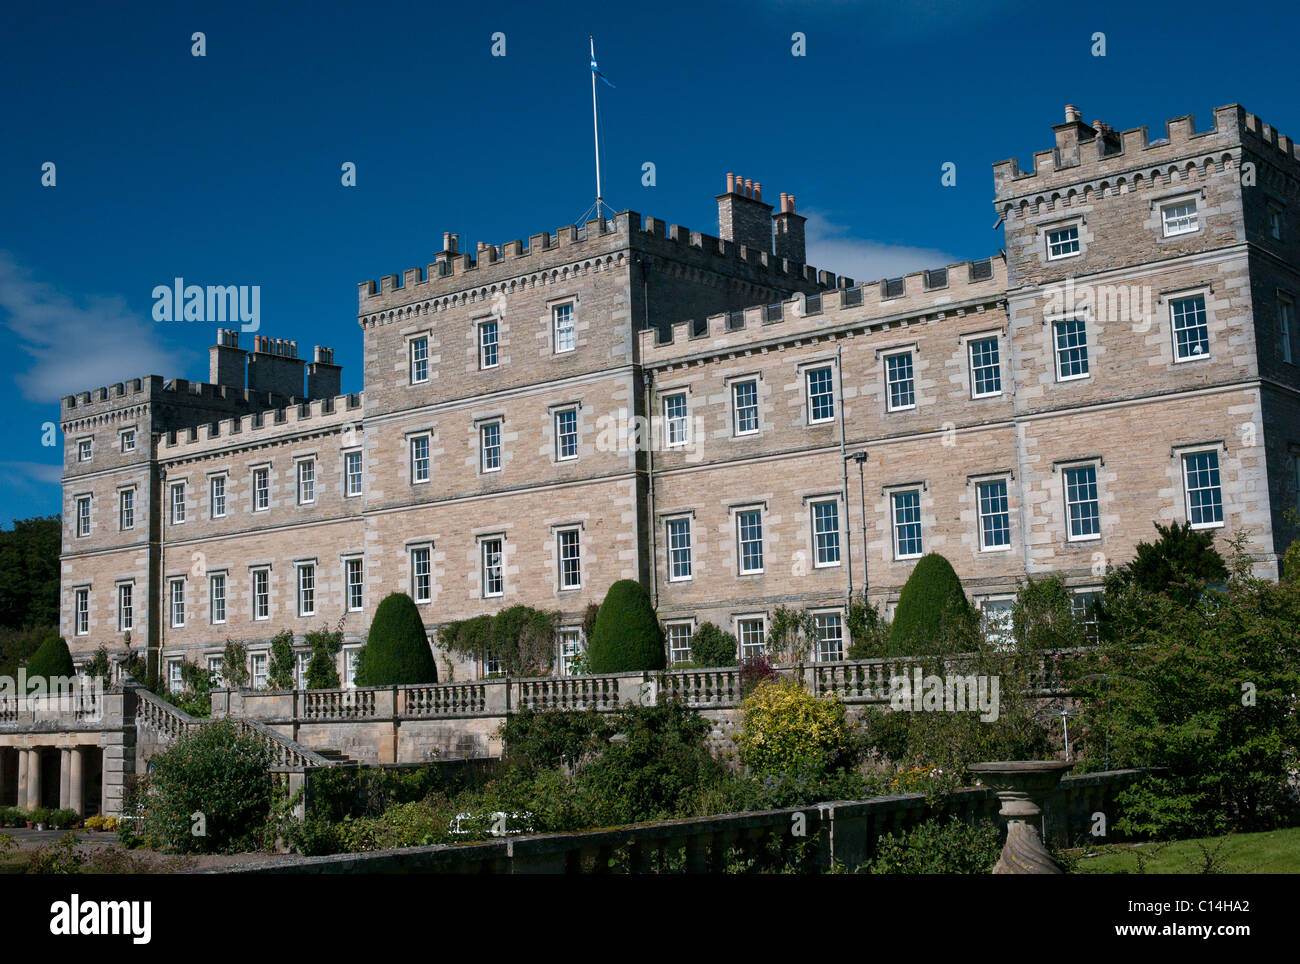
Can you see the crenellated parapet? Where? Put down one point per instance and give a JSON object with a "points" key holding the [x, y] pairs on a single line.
{"points": [[968, 285], [319, 416], [455, 278]]}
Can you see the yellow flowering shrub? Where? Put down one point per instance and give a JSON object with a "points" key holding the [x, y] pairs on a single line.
{"points": [[786, 729]]}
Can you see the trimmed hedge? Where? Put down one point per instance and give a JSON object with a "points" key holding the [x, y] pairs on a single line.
{"points": [[51, 659], [931, 602], [627, 635], [397, 650], [710, 646]]}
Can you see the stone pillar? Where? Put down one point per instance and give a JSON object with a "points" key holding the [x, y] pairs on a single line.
{"points": [[77, 793], [33, 778], [21, 799], [65, 777]]}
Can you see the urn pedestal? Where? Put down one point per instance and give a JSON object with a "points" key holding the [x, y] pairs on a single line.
{"points": [[1023, 786]]}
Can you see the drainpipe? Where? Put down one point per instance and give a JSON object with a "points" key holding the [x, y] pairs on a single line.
{"points": [[650, 489], [844, 465]]}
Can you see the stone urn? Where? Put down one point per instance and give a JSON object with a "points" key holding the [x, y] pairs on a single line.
{"points": [[1023, 786]]}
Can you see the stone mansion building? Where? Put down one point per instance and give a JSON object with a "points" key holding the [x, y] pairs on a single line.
{"points": [[717, 419]]}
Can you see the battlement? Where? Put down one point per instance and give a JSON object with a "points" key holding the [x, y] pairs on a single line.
{"points": [[921, 292], [155, 388], [265, 425], [1083, 152], [453, 272]]}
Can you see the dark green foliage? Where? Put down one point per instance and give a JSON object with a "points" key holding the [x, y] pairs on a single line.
{"points": [[322, 665], [936, 847], [280, 670], [195, 696], [627, 635], [520, 638], [51, 660], [218, 772], [99, 667], [656, 765], [933, 615], [1291, 563], [29, 573], [710, 646], [17, 646], [234, 664], [589, 619], [1041, 617], [339, 792], [1180, 564], [868, 631], [550, 739], [397, 650], [1207, 691]]}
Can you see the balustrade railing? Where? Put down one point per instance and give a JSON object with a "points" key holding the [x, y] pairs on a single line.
{"points": [[442, 700], [569, 693], [335, 705], [703, 688]]}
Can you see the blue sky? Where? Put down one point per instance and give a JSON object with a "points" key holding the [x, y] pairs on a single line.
{"points": [[225, 169]]}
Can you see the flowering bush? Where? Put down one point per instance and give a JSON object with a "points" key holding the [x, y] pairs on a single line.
{"points": [[788, 730]]}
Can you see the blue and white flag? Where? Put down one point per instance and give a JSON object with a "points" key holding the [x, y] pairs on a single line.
{"points": [[596, 70]]}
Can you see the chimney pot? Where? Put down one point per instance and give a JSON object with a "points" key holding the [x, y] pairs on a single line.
{"points": [[1072, 114], [731, 183], [758, 191]]}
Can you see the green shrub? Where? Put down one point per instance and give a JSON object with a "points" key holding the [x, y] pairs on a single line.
{"points": [[322, 665], [216, 771], [51, 660], [1291, 563], [933, 615], [627, 635], [281, 671], [547, 739], [710, 646], [99, 666], [60, 857], [1180, 564], [868, 631], [786, 729], [520, 638], [656, 765], [397, 649], [936, 847], [64, 819], [234, 664], [1042, 618]]}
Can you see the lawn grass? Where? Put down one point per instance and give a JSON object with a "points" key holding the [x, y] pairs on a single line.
{"points": [[1271, 852]]}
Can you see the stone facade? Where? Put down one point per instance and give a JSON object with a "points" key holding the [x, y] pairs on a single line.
{"points": [[626, 399]]}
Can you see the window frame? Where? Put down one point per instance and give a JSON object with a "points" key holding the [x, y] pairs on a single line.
{"points": [[895, 527], [485, 566], [672, 625], [1204, 323], [560, 435], [125, 614], [1061, 228], [172, 504], [738, 622], [213, 495], [480, 329], [81, 611], [972, 369], [86, 449], [817, 369], [689, 548], [305, 588], [172, 608], [493, 425], [263, 492], [820, 642], [123, 436], [1057, 350], [736, 408], [415, 553], [1066, 471], [78, 502], [886, 359], [264, 573], [572, 328], [740, 513], [412, 440], [360, 585], [214, 597], [981, 516], [684, 419], [1187, 453], [1285, 315], [348, 475], [305, 487], [560, 533], [126, 509], [813, 506], [1165, 204], [412, 359]]}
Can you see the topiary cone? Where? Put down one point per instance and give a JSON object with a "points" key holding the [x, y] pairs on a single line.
{"points": [[397, 648], [627, 635]]}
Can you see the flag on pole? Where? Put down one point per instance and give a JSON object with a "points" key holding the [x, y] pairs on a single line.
{"points": [[596, 70]]}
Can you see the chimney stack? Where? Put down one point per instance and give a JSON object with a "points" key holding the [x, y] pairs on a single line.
{"points": [[743, 218], [789, 228], [226, 360], [1069, 136], [274, 366], [324, 378]]}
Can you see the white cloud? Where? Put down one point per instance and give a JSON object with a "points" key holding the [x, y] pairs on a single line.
{"points": [[76, 346], [831, 247], [37, 473]]}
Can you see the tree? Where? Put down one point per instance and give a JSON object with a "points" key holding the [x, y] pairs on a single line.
{"points": [[51, 660], [322, 665], [234, 664], [1180, 564], [1042, 618], [29, 573], [710, 646], [933, 615], [627, 635], [397, 649]]}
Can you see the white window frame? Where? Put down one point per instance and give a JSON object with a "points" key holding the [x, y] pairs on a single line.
{"points": [[125, 613], [566, 653], [484, 565], [494, 427], [689, 548], [1192, 296], [1066, 470], [218, 602], [1183, 456], [216, 667], [83, 501], [819, 644], [571, 329], [348, 475], [741, 512], [974, 369], [808, 374], [414, 462], [981, 515], [741, 646], [125, 436], [673, 438], [357, 564], [1174, 202], [176, 603], [305, 475], [350, 655], [262, 659], [1057, 229], [125, 510], [177, 518], [262, 493], [81, 611], [561, 435], [895, 525], [264, 572], [672, 627], [305, 580], [560, 535], [215, 497], [813, 505], [998, 628], [418, 553], [86, 449], [175, 675], [1058, 350], [737, 408], [418, 359], [885, 359], [481, 328]]}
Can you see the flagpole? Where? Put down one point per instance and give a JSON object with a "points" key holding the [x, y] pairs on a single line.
{"points": [[595, 125]]}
